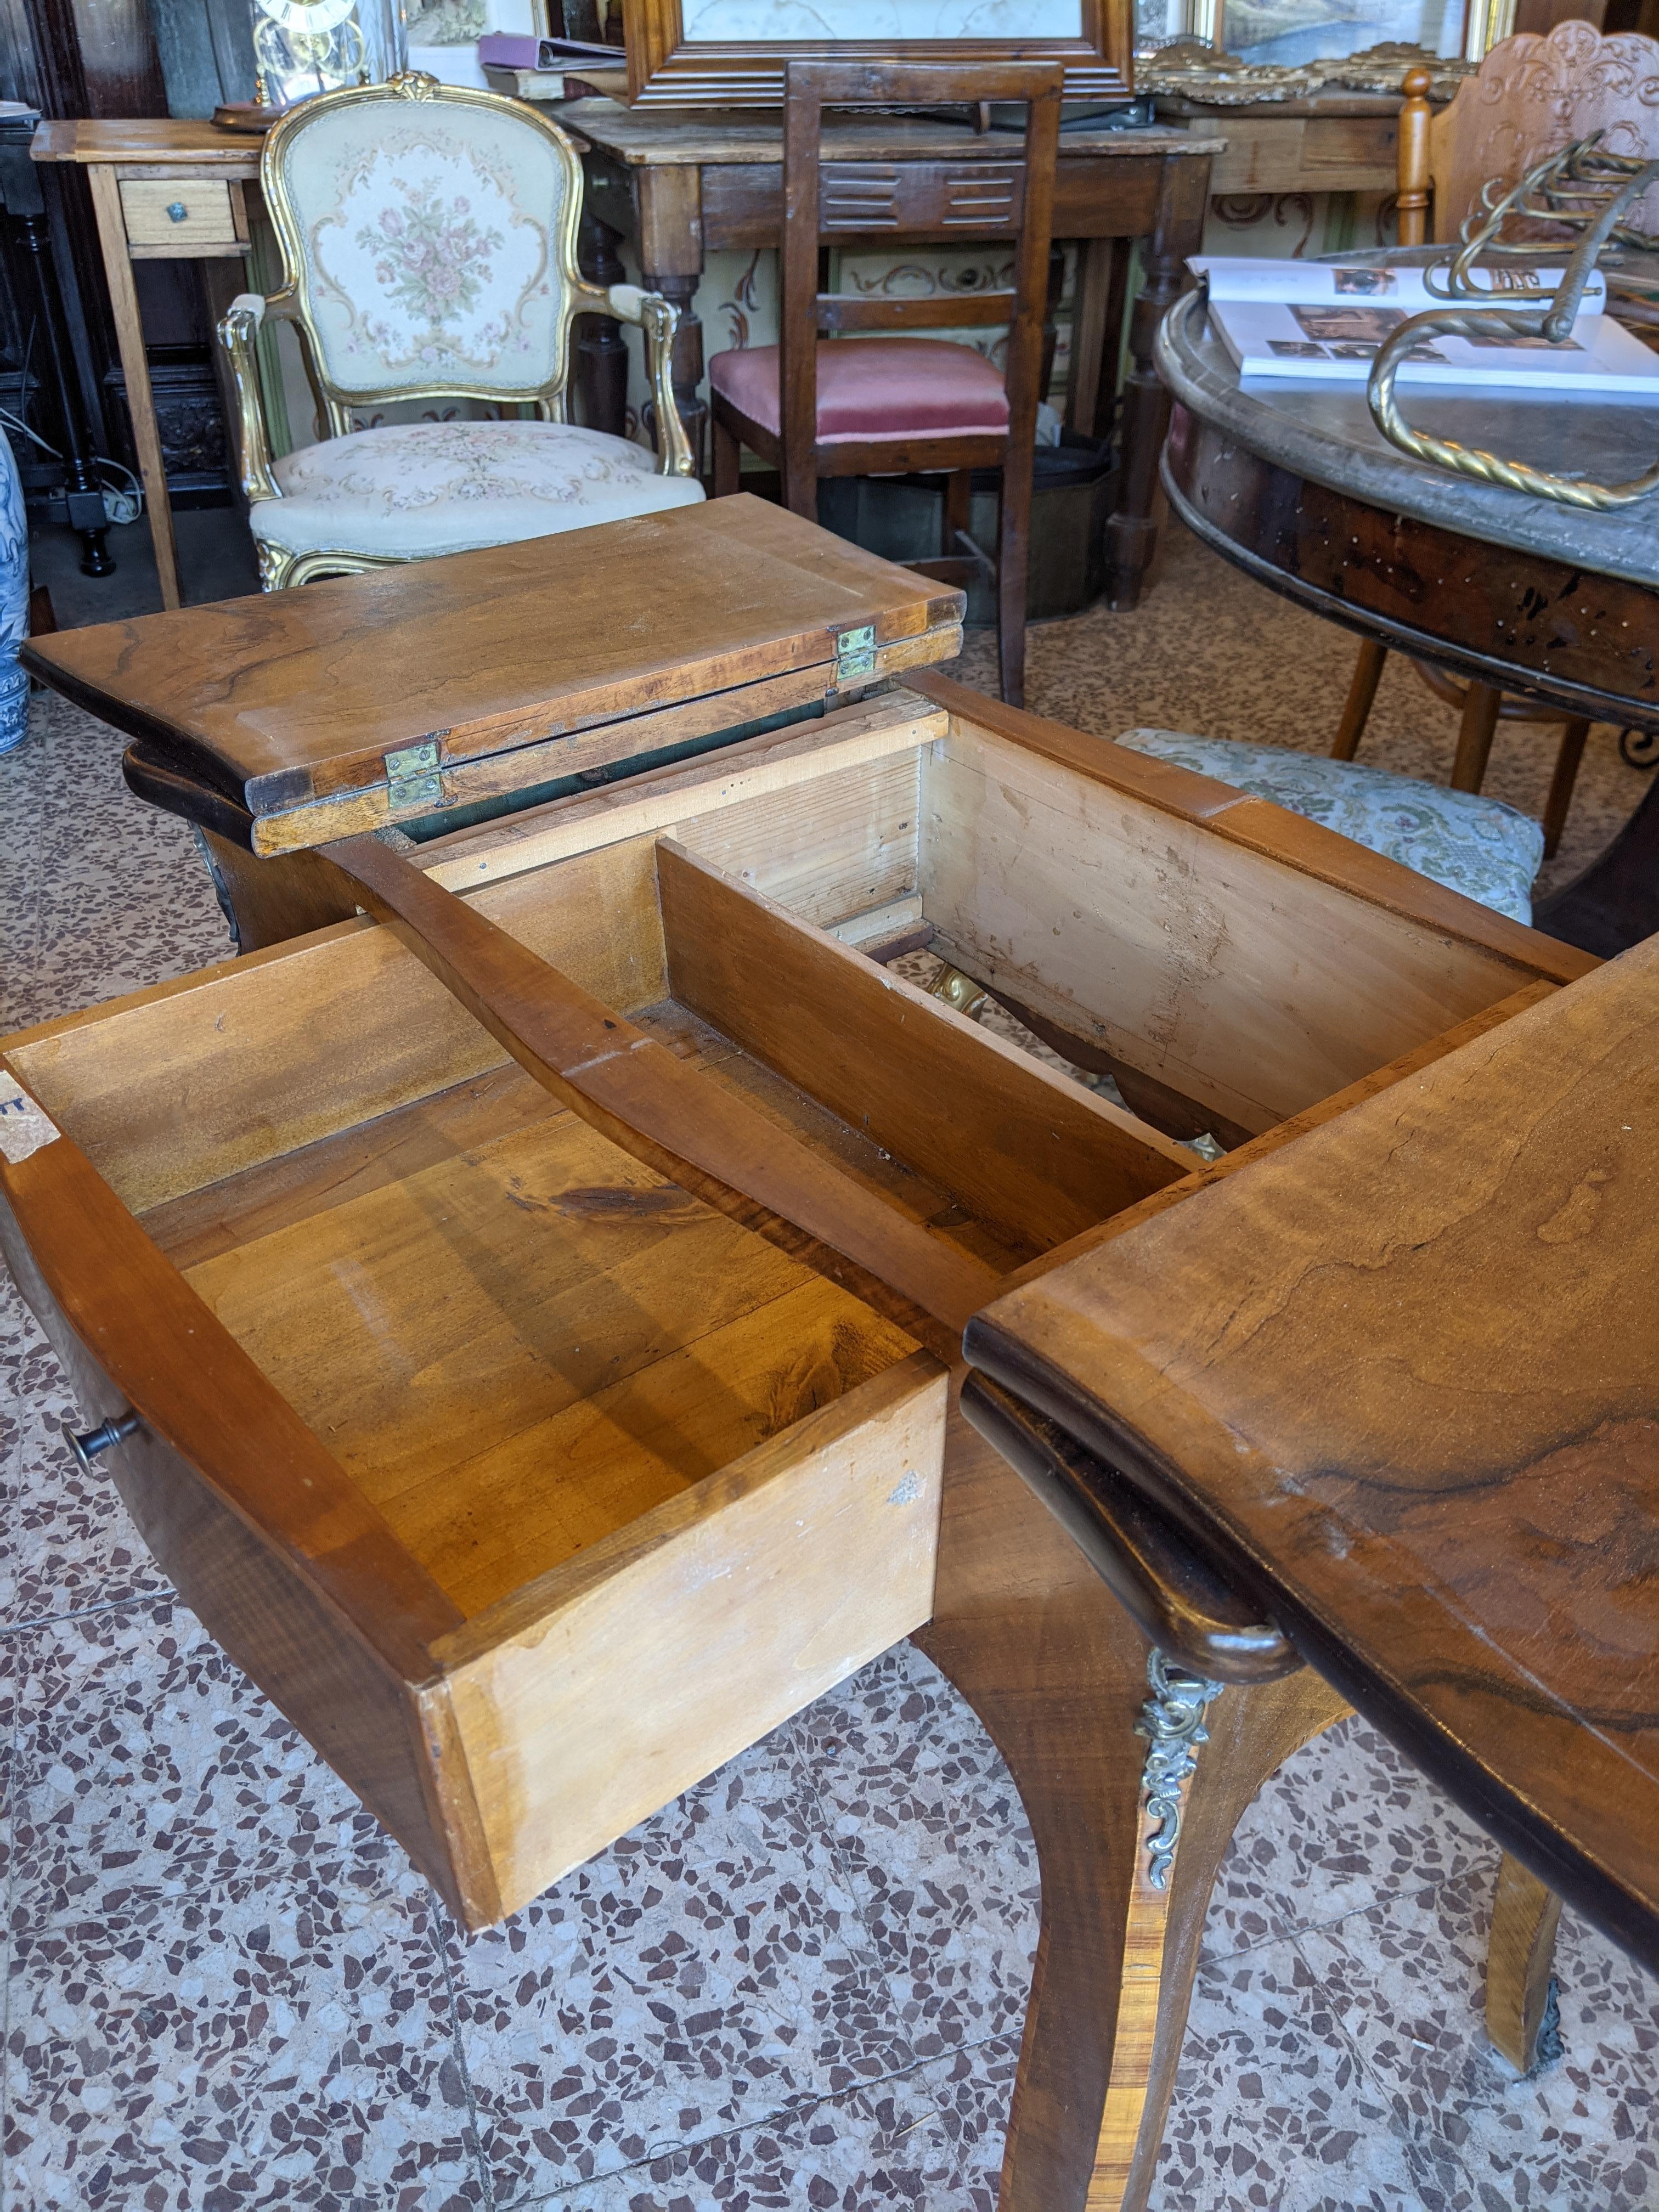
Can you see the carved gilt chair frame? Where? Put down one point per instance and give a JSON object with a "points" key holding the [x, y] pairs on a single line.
{"points": [[238, 329]]}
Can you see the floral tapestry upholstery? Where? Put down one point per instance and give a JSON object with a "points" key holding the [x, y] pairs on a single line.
{"points": [[412, 489], [427, 237], [1476, 845]]}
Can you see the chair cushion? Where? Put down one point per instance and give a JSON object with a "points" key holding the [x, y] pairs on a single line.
{"points": [[409, 489], [1476, 845], [875, 388]]}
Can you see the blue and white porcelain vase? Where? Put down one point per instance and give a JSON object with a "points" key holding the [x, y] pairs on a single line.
{"points": [[13, 602]]}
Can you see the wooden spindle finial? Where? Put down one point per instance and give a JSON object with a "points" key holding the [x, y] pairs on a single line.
{"points": [[1412, 198]]}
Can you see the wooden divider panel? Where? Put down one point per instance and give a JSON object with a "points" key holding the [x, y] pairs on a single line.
{"points": [[1236, 977], [1036, 1154]]}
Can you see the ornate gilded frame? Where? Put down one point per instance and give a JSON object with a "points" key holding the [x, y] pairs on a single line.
{"points": [[240, 327], [666, 69]]}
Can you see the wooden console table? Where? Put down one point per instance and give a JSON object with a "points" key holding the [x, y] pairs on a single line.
{"points": [[680, 187], [1333, 142], [170, 189]]}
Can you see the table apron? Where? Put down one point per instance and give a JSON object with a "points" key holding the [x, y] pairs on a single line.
{"points": [[741, 202], [1548, 630]]}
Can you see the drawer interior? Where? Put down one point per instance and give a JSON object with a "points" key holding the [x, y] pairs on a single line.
{"points": [[514, 1338]]}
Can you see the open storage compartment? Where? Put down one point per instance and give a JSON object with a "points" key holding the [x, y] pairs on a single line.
{"points": [[550, 1486]]}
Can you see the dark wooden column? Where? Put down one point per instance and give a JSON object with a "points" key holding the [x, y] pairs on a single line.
{"points": [[601, 350], [1177, 230]]}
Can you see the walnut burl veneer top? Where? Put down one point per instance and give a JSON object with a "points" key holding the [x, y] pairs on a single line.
{"points": [[1405, 1370], [293, 695]]}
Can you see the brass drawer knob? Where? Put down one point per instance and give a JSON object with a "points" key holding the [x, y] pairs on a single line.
{"points": [[86, 1447], [177, 211]]}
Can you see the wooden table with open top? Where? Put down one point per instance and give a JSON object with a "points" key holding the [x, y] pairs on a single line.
{"points": [[600, 1109]]}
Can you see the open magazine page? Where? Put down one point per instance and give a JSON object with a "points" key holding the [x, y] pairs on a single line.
{"points": [[1321, 320]]}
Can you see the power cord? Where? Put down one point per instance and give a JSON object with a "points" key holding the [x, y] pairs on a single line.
{"points": [[119, 506]]}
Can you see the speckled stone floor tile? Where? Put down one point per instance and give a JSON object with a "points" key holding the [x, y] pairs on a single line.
{"points": [[1272, 2110], [918, 2141], [1368, 1824], [148, 1766], [931, 1832], [291, 2046], [67, 1543], [709, 1970], [801, 1985], [1580, 2135]]}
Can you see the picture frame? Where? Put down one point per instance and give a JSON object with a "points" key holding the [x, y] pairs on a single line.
{"points": [[667, 69]]}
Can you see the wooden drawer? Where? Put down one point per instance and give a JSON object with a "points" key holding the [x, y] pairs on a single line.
{"points": [[180, 215], [611, 1487]]}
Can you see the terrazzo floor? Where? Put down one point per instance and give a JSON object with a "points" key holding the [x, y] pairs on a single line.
{"points": [[801, 1984]]}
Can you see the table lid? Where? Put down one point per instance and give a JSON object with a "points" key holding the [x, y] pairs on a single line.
{"points": [[1403, 1373], [288, 719]]}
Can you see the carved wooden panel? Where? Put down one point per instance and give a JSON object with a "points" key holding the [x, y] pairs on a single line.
{"points": [[1532, 96], [919, 197]]}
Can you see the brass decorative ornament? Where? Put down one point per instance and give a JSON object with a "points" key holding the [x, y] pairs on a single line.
{"points": [[1582, 192]]}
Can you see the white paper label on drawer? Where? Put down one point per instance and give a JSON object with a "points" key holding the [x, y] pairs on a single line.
{"points": [[23, 1128]]}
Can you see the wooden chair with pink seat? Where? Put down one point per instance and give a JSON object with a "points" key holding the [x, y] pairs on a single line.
{"points": [[830, 400]]}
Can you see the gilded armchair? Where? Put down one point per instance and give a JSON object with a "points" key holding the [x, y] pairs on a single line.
{"points": [[428, 244]]}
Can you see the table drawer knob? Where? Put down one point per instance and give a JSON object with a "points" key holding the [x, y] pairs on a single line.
{"points": [[177, 211], [88, 1447]]}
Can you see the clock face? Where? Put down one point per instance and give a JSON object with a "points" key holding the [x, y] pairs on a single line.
{"points": [[307, 16]]}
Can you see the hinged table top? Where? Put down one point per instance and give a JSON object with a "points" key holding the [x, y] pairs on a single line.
{"points": [[1405, 1373], [293, 698]]}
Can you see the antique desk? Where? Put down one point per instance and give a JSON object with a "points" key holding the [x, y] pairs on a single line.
{"points": [[679, 186], [1333, 142], [168, 191], [1295, 484], [534, 1352]]}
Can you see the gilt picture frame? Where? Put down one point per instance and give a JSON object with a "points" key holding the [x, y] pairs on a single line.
{"points": [[704, 53]]}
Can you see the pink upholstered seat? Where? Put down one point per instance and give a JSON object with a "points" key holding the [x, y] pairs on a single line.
{"points": [[875, 388]]}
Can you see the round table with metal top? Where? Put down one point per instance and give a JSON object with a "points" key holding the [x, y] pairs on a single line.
{"points": [[1292, 481]]}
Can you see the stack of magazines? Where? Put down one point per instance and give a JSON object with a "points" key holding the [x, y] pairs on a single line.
{"points": [[1321, 320]]}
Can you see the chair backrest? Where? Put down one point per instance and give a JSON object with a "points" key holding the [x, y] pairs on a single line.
{"points": [[1531, 96], [1010, 198], [429, 241]]}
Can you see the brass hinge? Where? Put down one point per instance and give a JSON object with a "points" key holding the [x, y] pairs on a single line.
{"points": [[855, 654], [413, 777]]}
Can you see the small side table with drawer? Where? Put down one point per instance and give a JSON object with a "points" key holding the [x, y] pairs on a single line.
{"points": [[172, 189]]}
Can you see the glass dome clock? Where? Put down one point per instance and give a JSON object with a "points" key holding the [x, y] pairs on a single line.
{"points": [[307, 46]]}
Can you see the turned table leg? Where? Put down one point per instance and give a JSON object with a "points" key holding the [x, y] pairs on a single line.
{"points": [[1520, 2015], [1177, 231], [1362, 692], [601, 350], [1475, 737]]}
